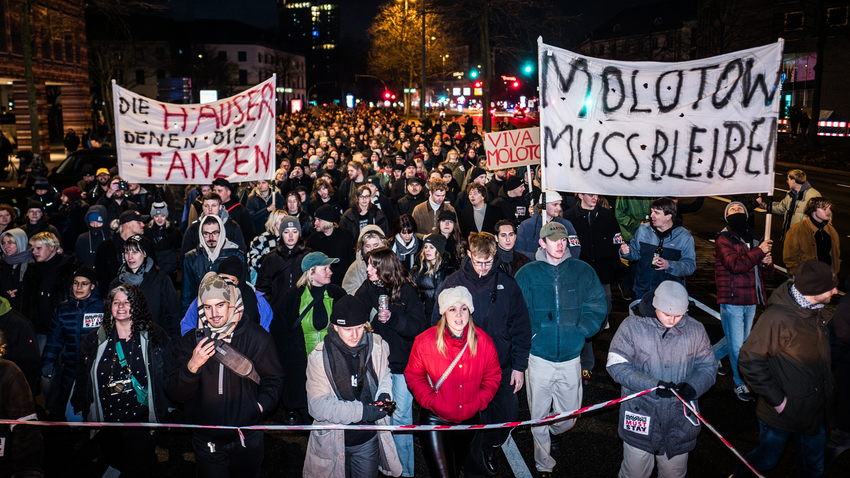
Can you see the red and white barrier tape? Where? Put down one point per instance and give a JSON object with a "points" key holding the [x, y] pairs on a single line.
{"points": [[714, 430], [539, 421]]}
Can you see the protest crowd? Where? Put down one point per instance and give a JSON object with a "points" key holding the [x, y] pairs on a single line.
{"points": [[386, 273]]}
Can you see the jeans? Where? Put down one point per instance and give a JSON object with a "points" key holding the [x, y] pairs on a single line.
{"points": [[403, 415], [772, 443], [737, 321]]}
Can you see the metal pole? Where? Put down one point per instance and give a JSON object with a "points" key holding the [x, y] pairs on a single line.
{"points": [[422, 83]]}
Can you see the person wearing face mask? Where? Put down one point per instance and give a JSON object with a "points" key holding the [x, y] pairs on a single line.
{"points": [[45, 283], [348, 382], [121, 378], [454, 374], [399, 321], [13, 266], [87, 243], [301, 323], [140, 270], [217, 391], [742, 264], [659, 344], [281, 267]]}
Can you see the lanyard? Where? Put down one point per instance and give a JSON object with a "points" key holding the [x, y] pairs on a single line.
{"points": [[141, 392]]}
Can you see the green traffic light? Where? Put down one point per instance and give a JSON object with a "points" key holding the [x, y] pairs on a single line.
{"points": [[473, 74], [528, 68]]}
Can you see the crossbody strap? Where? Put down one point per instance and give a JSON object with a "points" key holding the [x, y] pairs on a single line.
{"points": [[304, 313], [448, 370]]}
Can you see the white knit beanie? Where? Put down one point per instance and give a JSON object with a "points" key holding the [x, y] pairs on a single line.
{"points": [[453, 295]]}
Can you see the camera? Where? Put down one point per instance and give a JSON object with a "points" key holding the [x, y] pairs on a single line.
{"points": [[118, 386], [123, 185]]}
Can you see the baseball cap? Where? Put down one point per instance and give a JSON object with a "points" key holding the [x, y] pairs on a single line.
{"points": [[554, 231]]}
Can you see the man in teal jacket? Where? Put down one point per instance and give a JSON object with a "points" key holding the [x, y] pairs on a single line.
{"points": [[567, 304]]}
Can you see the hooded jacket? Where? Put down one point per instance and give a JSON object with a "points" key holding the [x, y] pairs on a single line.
{"points": [[787, 355], [644, 352], [167, 241], [191, 238], [566, 304], [201, 260], [508, 323], [678, 249], [87, 243]]}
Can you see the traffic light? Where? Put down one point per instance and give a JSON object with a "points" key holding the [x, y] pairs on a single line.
{"points": [[478, 84], [515, 84], [527, 69], [386, 95], [473, 74]]}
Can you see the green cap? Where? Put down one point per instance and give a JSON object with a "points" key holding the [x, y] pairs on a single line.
{"points": [[315, 259], [554, 231]]}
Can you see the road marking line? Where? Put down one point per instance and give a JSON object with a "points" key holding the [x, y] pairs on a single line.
{"points": [[842, 185], [515, 459]]}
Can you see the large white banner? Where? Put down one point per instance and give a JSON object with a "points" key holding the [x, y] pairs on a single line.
{"points": [[194, 144], [692, 128]]}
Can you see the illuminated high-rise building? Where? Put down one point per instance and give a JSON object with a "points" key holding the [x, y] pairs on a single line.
{"points": [[313, 29]]}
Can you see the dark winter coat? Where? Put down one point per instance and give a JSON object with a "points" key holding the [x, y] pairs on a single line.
{"points": [[167, 241], [408, 203], [87, 243], [508, 323], [353, 222], [46, 285], [466, 220], [163, 302], [239, 214], [407, 320], [339, 245], [21, 345], [73, 320], [280, 271], [85, 399], [41, 226], [215, 395], [110, 257], [429, 284], [113, 209], [596, 229], [195, 266], [787, 355], [24, 446], [257, 207], [234, 233]]}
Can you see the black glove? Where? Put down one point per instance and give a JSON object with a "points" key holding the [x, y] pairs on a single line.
{"points": [[665, 392], [384, 397], [686, 391], [372, 413]]}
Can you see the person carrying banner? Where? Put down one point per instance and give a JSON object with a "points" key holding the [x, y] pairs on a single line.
{"points": [[786, 361], [793, 205], [566, 303], [662, 249], [226, 372], [659, 344]]}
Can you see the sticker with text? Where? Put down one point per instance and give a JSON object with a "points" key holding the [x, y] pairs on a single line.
{"points": [[618, 238], [636, 423], [92, 320], [574, 242]]}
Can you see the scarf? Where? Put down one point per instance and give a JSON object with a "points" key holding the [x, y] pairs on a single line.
{"points": [[225, 332], [338, 354], [737, 224], [403, 250], [506, 256], [127, 276]]}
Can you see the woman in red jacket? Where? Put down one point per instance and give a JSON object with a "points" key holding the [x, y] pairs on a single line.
{"points": [[453, 372]]}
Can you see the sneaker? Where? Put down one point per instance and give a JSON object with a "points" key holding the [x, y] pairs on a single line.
{"points": [[626, 292], [744, 394], [586, 376], [721, 370]]}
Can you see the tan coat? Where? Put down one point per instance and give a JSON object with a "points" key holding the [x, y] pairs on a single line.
{"points": [[800, 245], [426, 218], [326, 448]]}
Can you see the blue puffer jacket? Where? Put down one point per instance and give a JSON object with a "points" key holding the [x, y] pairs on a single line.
{"points": [[566, 303], [528, 235], [678, 249], [72, 320]]}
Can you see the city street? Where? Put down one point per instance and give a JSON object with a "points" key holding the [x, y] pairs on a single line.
{"points": [[592, 448]]}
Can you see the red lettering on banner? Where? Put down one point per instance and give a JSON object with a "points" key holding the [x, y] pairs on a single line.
{"points": [[205, 170], [168, 114], [266, 101], [226, 153], [221, 113], [265, 157], [239, 116], [526, 138], [251, 95], [181, 167], [237, 161], [207, 111], [149, 157]]}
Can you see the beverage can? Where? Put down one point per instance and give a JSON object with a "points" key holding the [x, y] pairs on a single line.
{"points": [[383, 302]]}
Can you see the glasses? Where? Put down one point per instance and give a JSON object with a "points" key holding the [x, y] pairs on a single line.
{"points": [[211, 234], [484, 264]]}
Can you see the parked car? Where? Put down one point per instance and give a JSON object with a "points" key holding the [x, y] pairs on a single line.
{"points": [[70, 171]]}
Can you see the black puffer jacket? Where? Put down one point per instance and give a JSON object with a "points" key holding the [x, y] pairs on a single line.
{"points": [[429, 284], [280, 270]]}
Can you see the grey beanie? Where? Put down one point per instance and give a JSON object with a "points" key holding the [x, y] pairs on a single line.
{"points": [[726, 211], [159, 208], [287, 222], [671, 298]]}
